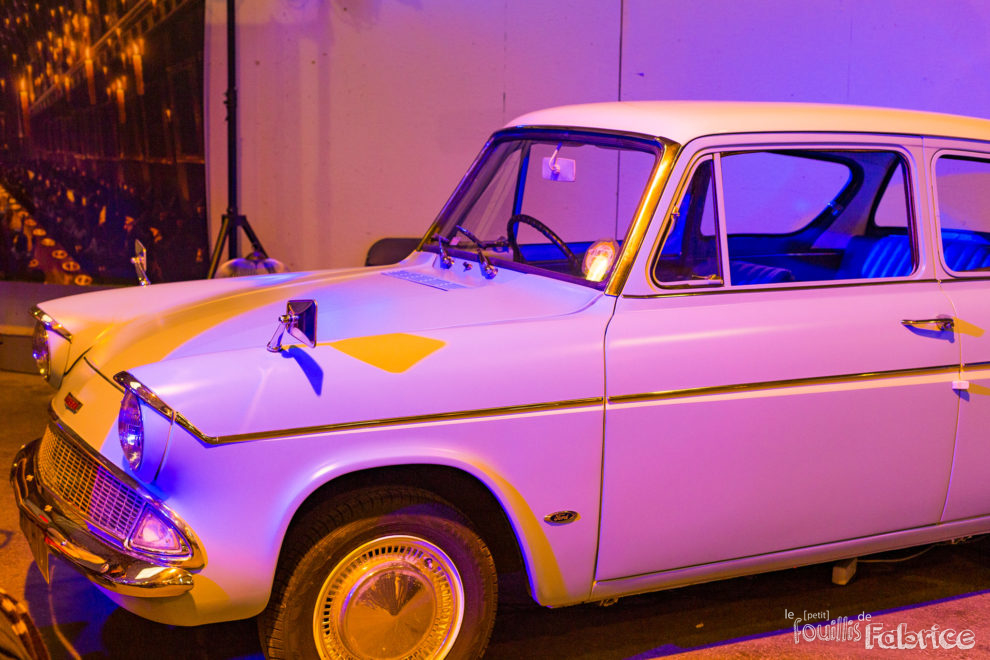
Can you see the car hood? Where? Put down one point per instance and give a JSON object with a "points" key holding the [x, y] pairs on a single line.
{"points": [[125, 328]]}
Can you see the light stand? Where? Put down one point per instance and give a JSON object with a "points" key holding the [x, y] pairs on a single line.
{"points": [[232, 220]]}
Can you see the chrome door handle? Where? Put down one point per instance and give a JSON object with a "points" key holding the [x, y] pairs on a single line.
{"points": [[942, 324]]}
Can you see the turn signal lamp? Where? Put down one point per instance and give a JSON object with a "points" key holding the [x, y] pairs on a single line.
{"points": [[156, 535]]}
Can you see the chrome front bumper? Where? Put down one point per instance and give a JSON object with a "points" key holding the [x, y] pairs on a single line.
{"points": [[53, 528]]}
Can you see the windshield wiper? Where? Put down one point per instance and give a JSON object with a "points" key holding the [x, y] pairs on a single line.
{"points": [[487, 269]]}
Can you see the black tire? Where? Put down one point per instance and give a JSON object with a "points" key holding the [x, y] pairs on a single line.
{"points": [[385, 568]]}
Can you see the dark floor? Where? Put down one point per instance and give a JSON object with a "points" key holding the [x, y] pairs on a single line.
{"points": [[948, 587]]}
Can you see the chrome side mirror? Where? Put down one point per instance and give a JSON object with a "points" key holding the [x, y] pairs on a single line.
{"points": [[140, 261], [299, 321]]}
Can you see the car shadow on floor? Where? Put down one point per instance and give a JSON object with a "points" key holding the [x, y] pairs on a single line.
{"points": [[77, 620], [713, 614]]}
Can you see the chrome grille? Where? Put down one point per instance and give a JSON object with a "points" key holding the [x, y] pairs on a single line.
{"points": [[78, 479]]}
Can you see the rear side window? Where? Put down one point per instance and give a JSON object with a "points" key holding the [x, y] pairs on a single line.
{"points": [[963, 189], [792, 215]]}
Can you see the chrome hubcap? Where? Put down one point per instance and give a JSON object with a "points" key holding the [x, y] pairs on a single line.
{"points": [[392, 597]]}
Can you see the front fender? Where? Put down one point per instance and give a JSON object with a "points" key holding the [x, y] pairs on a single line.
{"points": [[276, 427]]}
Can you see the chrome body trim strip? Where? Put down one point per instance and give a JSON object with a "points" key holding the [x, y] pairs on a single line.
{"points": [[785, 559], [145, 393], [44, 318], [790, 382], [129, 382], [415, 419]]}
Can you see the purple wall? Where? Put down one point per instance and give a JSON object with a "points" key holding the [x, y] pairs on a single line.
{"points": [[358, 117]]}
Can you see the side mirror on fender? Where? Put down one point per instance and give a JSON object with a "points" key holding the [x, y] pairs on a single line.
{"points": [[299, 321], [140, 261]]}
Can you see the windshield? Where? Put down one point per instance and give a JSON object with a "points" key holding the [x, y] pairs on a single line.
{"points": [[550, 202]]}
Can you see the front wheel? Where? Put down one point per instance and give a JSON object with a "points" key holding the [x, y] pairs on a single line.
{"points": [[383, 573]]}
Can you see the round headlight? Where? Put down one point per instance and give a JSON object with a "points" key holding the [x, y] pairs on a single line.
{"points": [[130, 427], [40, 350]]}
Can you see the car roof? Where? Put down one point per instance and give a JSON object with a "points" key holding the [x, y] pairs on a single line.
{"points": [[682, 121]]}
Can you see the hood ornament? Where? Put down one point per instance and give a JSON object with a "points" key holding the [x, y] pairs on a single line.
{"points": [[299, 321]]}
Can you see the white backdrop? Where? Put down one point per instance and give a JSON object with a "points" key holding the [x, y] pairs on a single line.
{"points": [[357, 117]]}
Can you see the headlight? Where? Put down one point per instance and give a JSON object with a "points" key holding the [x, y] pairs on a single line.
{"points": [[130, 428], [40, 350]]}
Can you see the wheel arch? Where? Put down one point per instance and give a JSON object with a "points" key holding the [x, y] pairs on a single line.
{"points": [[464, 491]]}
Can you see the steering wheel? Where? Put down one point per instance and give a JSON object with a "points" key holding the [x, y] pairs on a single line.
{"points": [[510, 230]]}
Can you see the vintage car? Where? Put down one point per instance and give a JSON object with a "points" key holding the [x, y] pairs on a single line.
{"points": [[643, 345]]}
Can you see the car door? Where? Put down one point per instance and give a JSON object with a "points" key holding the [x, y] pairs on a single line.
{"points": [[961, 175], [789, 383]]}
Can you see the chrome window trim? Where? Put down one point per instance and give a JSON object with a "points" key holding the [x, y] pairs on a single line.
{"points": [[958, 275], [721, 227], [846, 142], [50, 323], [195, 562], [782, 286], [688, 285], [976, 275], [645, 211]]}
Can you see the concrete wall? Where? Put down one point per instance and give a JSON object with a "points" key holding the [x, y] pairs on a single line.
{"points": [[359, 116]]}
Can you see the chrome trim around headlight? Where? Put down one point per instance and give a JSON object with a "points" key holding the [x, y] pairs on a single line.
{"points": [[126, 380], [50, 323]]}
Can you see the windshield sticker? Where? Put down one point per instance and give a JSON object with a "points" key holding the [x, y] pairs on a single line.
{"points": [[420, 278]]}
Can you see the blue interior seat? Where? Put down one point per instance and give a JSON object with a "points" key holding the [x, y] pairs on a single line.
{"points": [[744, 272], [966, 255], [889, 256]]}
